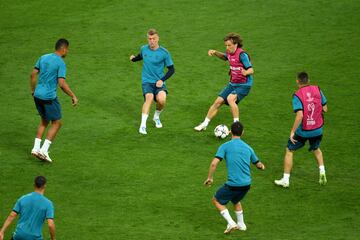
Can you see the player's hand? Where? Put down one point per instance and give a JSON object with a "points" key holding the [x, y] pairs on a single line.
{"points": [[208, 182], [1, 235], [211, 52], [244, 72], [74, 101], [260, 166], [159, 83], [132, 57], [292, 139]]}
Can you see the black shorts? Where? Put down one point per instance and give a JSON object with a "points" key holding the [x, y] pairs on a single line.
{"points": [[228, 193]]}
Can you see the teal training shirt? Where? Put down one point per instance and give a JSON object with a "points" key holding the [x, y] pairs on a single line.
{"points": [[51, 67], [33, 209], [297, 106], [238, 156], [154, 63]]}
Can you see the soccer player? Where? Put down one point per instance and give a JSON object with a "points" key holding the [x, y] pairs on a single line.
{"points": [[309, 104], [34, 208], [238, 156], [241, 79], [52, 72], [156, 58]]}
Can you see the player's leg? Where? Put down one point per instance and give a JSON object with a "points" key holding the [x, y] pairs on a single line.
{"points": [[232, 101], [221, 198], [315, 147], [288, 160], [53, 114], [40, 132], [238, 195], [149, 97], [160, 104], [214, 108]]}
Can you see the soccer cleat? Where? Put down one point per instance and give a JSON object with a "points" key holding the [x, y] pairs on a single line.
{"points": [[45, 156], [230, 228], [142, 130], [322, 179], [242, 227], [201, 127], [157, 122], [282, 183], [36, 153]]}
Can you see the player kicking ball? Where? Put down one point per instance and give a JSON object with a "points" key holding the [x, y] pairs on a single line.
{"points": [[155, 58], [241, 79], [238, 156]]}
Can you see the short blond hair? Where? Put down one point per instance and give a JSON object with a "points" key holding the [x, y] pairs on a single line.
{"points": [[152, 31]]}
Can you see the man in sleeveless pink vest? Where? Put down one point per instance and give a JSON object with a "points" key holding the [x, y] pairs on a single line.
{"points": [[241, 79], [309, 104]]}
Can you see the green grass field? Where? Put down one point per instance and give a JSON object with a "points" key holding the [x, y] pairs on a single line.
{"points": [[108, 182]]}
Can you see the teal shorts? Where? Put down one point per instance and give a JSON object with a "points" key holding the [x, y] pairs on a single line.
{"points": [[228, 193], [240, 91], [151, 88], [49, 110]]}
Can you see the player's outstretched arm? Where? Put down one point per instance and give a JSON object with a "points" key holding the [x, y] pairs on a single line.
{"points": [[212, 169], [33, 80], [136, 58], [66, 89], [7, 223], [51, 225], [220, 55]]}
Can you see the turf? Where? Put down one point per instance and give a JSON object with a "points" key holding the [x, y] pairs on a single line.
{"points": [[108, 182]]}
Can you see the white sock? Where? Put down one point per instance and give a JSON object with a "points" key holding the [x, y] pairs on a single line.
{"points": [[236, 119], [206, 121], [157, 114], [240, 217], [144, 117], [45, 146], [37, 144], [286, 177], [322, 169], [225, 213]]}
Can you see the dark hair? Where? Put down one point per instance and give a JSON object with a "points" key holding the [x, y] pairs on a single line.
{"points": [[40, 181], [62, 42], [303, 77], [235, 38], [237, 129], [152, 31]]}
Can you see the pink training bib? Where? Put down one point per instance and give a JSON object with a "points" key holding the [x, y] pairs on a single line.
{"points": [[236, 66], [310, 98]]}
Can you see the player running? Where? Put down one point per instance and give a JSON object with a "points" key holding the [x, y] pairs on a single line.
{"points": [[52, 72], [241, 79], [238, 156], [309, 104], [156, 58]]}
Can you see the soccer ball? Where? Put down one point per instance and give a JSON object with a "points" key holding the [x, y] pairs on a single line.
{"points": [[221, 131]]}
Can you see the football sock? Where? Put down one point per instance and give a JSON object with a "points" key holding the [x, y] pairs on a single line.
{"points": [[45, 146], [236, 119], [144, 117], [322, 169], [240, 217], [37, 143], [225, 213], [286, 177], [206, 121], [157, 114]]}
